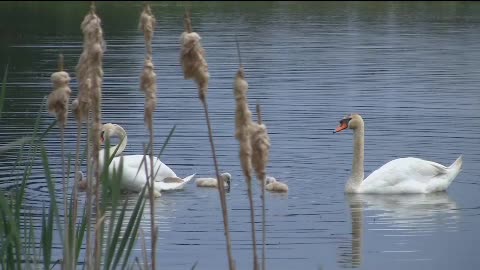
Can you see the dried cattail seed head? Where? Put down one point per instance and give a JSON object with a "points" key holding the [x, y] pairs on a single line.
{"points": [[260, 149], [243, 121], [89, 68], [241, 85], [192, 58], [147, 25], [148, 77], [58, 98]]}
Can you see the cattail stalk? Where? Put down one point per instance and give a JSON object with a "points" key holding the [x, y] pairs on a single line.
{"points": [[75, 192], [261, 146], [148, 86], [243, 122], [58, 101], [195, 67], [90, 76]]}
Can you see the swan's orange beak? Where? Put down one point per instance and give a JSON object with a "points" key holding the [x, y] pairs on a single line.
{"points": [[341, 127], [102, 138]]}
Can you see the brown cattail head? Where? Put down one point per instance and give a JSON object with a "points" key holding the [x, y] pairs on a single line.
{"points": [[148, 78], [261, 146], [192, 57], [89, 68], [147, 25], [58, 98], [148, 86], [243, 121]]}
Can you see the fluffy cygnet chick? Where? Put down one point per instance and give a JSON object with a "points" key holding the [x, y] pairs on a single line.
{"points": [[82, 181], [274, 186], [212, 182]]}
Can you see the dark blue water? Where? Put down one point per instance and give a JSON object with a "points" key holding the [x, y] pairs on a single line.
{"points": [[411, 70]]}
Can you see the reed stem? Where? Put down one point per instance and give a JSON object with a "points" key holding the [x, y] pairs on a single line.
{"points": [[88, 213], [152, 204], [252, 221], [221, 190], [66, 258], [148, 85], [75, 192], [264, 237]]}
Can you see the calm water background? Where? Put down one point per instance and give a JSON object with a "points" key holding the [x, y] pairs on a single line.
{"points": [[411, 69]]}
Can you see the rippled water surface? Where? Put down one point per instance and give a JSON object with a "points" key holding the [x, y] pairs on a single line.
{"points": [[411, 70]]}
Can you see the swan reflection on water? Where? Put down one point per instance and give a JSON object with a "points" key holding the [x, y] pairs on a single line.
{"points": [[407, 214]]}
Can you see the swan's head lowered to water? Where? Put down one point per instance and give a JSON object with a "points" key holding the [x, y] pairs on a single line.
{"points": [[109, 130], [352, 121]]}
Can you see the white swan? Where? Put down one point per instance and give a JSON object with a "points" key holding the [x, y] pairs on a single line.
{"points": [[212, 182], [271, 184], [402, 175], [134, 177]]}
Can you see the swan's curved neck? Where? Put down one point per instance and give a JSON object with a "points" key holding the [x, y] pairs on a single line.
{"points": [[358, 157], [115, 149]]}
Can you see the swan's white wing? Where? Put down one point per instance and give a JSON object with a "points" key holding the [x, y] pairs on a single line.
{"points": [[134, 173], [160, 170], [403, 175], [132, 178]]}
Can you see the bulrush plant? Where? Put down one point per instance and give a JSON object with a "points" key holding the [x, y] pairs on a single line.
{"points": [[90, 77], [243, 123], [194, 65], [261, 146], [149, 87], [58, 101]]}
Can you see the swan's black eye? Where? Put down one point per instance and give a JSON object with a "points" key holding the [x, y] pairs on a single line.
{"points": [[102, 134], [345, 121]]}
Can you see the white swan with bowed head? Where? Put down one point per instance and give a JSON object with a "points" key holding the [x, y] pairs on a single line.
{"points": [[402, 175], [212, 182], [134, 177]]}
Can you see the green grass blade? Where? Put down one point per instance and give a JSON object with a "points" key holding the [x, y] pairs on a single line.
{"points": [[45, 242], [51, 190], [21, 192], [131, 229], [134, 233], [163, 147], [52, 125], [114, 196], [13, 245], [81, 232], [167, 140], [114, 239], [3, 90], [11, 145]]}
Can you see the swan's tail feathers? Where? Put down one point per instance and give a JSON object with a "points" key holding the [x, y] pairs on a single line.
{"points": [[458, 164], [185, 181], [454, 170], [188, 178], [173, 183]]}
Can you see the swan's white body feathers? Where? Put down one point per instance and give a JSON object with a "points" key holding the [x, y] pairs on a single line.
{"points": [[410, 175], [134, 179]]}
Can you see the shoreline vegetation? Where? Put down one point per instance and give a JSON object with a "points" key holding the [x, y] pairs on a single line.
{"points": [[99, 226]]}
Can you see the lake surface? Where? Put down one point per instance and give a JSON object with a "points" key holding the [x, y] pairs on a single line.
{"points": [[412, 70]]}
